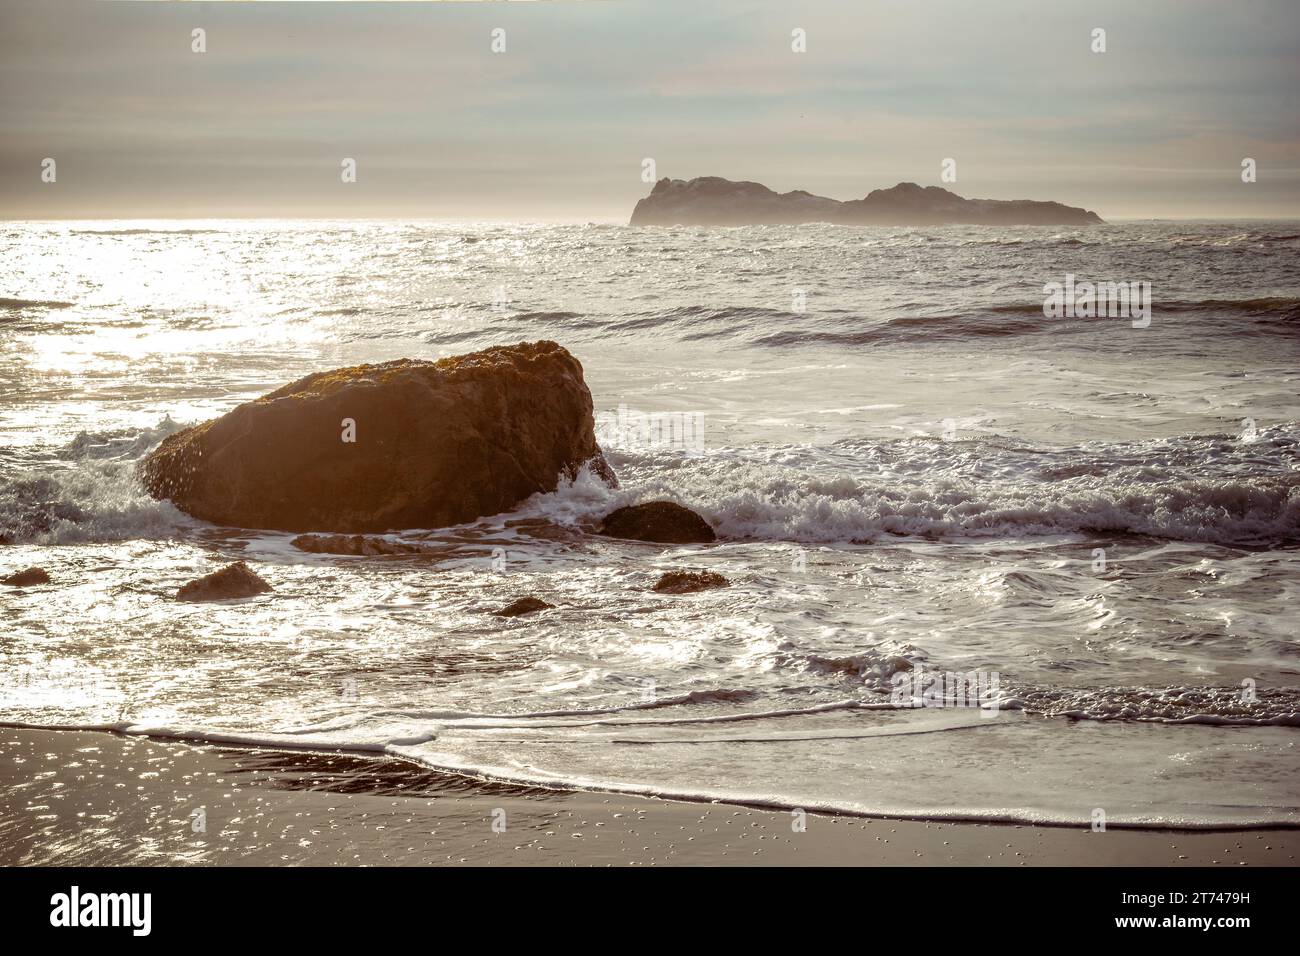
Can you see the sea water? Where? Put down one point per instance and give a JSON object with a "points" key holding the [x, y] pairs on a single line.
{"points": [[913, 469]]}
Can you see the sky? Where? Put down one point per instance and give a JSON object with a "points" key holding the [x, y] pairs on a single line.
{"points": [[557, 126]]}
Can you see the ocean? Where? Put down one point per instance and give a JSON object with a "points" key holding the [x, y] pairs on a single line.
{"points": [[913, 471]]}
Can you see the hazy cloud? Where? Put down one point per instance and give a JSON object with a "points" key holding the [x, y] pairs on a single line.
{"points": [[556, 126]]}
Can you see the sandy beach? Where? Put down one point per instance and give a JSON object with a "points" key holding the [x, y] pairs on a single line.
{"points": [[91, 798]]}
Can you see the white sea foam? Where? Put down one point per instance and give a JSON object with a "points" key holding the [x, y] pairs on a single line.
{"points": [[87, 491], [753, 494], [898, 792]]}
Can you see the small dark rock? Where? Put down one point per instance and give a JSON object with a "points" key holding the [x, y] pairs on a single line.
{"points": [[27, 578], [688, 582], [660, 521], [526, 605], [358, 544], [233, 581]]}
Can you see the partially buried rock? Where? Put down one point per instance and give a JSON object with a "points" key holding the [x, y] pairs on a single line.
{"points": [[26, 578], [526, 605], [402, 444], [660, 521], [358, 544], [233, 581], [688, 582]]}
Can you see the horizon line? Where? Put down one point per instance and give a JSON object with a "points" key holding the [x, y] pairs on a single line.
{"points": [[607, 222]]}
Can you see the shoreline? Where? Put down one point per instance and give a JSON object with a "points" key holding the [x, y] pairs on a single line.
{"points": [[103, 798]]}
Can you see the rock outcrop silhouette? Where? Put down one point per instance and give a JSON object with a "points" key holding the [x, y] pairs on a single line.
{"points": [[713, 201]]}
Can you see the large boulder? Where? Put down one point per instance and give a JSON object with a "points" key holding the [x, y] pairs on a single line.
{"points": [[432, 444]]}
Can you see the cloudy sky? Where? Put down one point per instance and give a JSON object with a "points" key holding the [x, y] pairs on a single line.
{"points": [[557, 126]]}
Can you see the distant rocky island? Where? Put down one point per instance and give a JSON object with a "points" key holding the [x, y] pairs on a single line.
{"points": [[713, 201]]}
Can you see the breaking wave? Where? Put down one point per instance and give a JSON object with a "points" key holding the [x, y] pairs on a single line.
{"points": [[90, 494], [1188, 489]]}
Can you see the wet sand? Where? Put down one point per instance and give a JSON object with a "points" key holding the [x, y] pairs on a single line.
{"points": [[102, 799]]}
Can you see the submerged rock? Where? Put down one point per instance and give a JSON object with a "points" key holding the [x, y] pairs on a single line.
{"points": [[403, 444], [714, 201], [525, 605], [358, 544], [233, 581], [27, 578], [688, 582], [892, 665], [663, 522]]}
